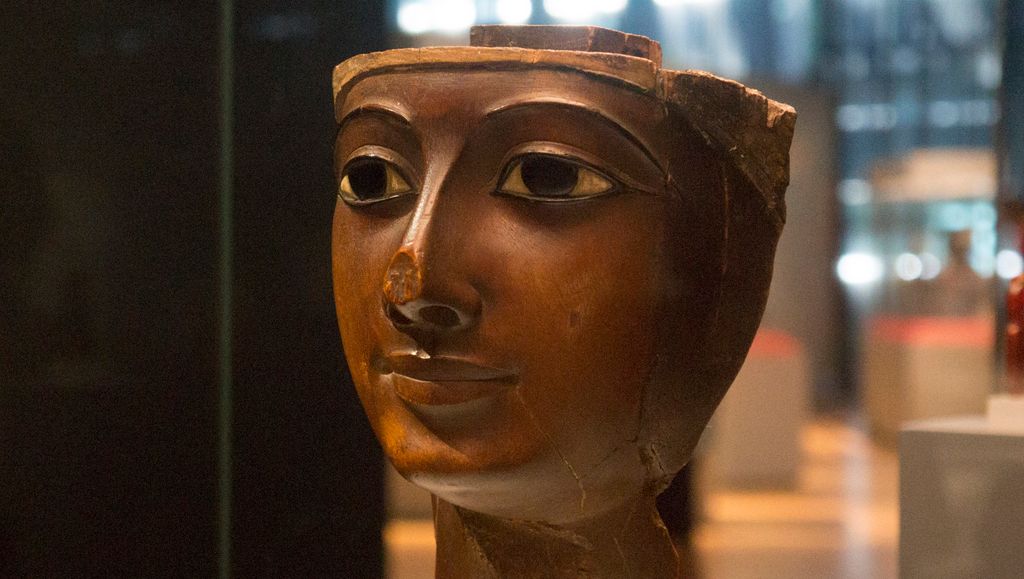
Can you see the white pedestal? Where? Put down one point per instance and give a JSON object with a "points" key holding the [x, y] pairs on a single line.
{"points": [[754, 437], [961, 500], [1006, 412], [918, 368]]}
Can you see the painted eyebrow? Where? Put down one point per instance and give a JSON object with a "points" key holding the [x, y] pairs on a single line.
{"points": [[374, 109], [579, 108]]}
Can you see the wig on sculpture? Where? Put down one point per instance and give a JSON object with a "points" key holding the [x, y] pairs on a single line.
{"points": [[550, 257]]}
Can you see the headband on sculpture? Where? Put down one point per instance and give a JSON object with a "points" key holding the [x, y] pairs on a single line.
{"points": [[750, 131]]}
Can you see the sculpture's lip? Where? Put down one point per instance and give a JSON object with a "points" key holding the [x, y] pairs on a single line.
{"points": [[444, 380], [444, 368]]}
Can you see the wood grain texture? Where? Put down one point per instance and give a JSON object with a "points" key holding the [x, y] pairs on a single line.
{"points": [[574, 38]]}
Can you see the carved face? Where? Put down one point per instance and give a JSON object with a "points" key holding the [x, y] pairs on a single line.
{"points": [[514, 272]]}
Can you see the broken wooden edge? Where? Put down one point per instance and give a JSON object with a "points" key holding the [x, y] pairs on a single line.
{"points": [[575, 38], [750, 131]]}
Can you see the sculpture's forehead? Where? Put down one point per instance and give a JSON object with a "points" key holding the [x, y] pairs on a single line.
{"points": [[751, 132], [468, 95]]}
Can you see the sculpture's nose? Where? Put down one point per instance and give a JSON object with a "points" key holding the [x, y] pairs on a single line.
{"points": [[404, 282], [414, 305], [427, 287]]}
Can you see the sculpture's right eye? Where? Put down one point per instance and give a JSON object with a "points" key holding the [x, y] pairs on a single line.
{"points": [[366, 180]]}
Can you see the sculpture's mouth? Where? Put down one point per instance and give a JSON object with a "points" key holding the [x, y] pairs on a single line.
{"points": [[444, 381]]}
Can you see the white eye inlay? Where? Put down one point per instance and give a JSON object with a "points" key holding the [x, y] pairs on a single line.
{"points": [[547, 177], [513, 183], [396, 184], [371, 179], [590, 183]]}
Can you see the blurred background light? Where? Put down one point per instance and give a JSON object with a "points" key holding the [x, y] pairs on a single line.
{"points": [[446, 16], [855, 191], [931, 266], [582, 10], [610, 6], [955, 217], [859, 268], [414, 18], [1009, 264], [454, 15], [908, 267], [514, 11], [673, 3]]}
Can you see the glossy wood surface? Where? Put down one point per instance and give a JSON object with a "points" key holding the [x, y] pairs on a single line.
{"points": [[548, 266]]}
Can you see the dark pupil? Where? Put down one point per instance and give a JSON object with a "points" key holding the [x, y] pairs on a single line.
{"points": [[368, 179], [548, 176]]}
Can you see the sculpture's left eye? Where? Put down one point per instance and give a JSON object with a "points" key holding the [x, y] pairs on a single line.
{"points": [[544, 177], [367, 180]]}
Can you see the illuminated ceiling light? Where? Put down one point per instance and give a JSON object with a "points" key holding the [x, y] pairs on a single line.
{"points": [[1009, 264], [569, 9], [414, 18], [450, 16], [859, 269], [908, 267], [696, 3], [582, 10], [610, 6], [931, 266], [454, 15], [514, 11]]}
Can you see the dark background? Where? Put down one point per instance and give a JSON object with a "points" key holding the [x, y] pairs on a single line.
{"points": [[109, 161]]}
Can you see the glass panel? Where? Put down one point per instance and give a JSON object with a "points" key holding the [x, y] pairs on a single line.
{"points": [[112, 280], [107, 349]]}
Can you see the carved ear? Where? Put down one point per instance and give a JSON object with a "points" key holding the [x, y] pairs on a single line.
{"points": [[751, 132]]}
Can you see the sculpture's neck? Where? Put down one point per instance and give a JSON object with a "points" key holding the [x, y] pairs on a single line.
{"points": [[627, 542]]}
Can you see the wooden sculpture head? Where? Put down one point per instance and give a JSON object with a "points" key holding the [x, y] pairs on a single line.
{"points": [[550, 257]]}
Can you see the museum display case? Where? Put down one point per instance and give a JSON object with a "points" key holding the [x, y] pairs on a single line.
{"points": [[114, 379]]}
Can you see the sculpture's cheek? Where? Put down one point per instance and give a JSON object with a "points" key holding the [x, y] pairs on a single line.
{"points": [[563, 295], [571, 308]]}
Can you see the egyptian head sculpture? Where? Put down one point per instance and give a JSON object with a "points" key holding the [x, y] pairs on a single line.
{"points": [[550, 256]]}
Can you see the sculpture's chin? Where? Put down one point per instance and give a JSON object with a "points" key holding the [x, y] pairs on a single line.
{"points": [[457, 442], [492, 457], [545, 489]]}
